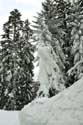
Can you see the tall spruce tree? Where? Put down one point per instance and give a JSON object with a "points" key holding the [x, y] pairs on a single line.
{"points": [[54, 14], [76, 24], [49, 29], [16, 56]]}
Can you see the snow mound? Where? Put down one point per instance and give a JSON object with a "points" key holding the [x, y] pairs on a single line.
{"points": [[66, 108]]}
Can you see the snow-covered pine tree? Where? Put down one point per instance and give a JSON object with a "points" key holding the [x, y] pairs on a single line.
{"points": [[53, 26], [76, 23], [55, 13], [16, 56], [67, 45], [44, 40]]}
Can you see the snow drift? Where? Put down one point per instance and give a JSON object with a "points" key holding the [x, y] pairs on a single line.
{"points": [[66, 108]]}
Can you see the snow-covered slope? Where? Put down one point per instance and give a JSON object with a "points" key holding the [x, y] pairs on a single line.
{"points": [[64, 109], [9, 118]]}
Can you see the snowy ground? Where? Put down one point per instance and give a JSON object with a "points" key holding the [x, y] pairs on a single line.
{"points": [[64, 109], [9, 118]]}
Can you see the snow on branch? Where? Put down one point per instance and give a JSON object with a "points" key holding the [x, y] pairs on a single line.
{"points": [[73, 68]]}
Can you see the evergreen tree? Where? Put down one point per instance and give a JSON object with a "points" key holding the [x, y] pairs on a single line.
{"points": [[16, 55], [54, 13], [76, 24], [45, 36]]}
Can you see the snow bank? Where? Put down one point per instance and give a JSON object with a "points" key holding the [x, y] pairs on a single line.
{"points": [[64, 109], [9, 118]]}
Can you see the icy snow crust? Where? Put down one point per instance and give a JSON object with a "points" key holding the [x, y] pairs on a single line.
{"points": [[66, 108]]}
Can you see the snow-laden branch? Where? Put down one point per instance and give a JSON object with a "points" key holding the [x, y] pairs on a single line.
{"points": [[73, 68]]}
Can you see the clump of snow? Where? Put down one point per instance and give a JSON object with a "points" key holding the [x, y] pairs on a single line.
{"points": [[66, 108], [50, 75], [9, 118], [11, 95], [36, 67]]}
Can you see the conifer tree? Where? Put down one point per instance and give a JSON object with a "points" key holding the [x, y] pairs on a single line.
{"points": [[55, 13], [16, 55], [76, 23], [43, 34]]}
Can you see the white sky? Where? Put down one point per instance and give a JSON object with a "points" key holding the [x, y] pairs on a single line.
{"points": [[28, 9]]}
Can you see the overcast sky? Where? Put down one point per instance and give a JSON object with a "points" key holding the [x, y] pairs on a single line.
{"points": [[28, 9]]}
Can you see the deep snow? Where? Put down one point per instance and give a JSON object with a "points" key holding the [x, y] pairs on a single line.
{"points": [[66, 108], [9, 118]]}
